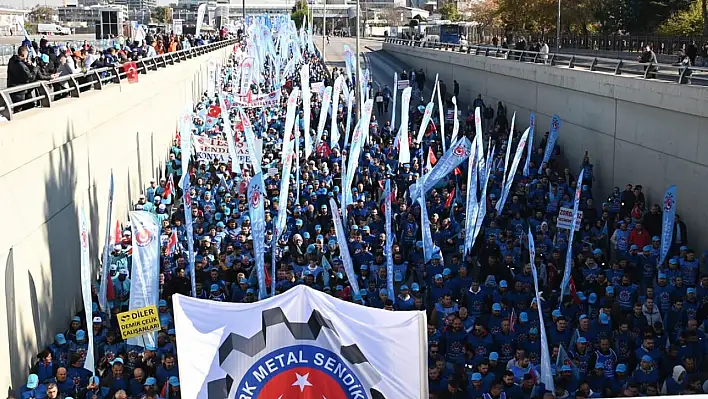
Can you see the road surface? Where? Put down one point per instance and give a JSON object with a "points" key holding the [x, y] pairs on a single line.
{"points": [[381, 66]]}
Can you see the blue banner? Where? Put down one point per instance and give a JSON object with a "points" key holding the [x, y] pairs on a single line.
{"points": [[452, 158], [552, 138], [343, 246], [509, 142], [189, 231], [482, 211], [667, 225], [144, 281], [546, 370], [425, 224], [472, 207], [510, 178], [389, 240], [532, 127], [571, 234], [257, 214]]}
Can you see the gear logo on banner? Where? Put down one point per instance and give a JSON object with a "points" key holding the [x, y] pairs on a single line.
{"points": [[316, 365], [143, 237]]}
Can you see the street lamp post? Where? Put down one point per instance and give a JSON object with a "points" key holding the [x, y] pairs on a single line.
{"points": [[324, 30], [558, 26]]}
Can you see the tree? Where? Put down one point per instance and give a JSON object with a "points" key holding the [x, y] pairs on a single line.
{"points": [[449, 11], [299, 13], [687, 22], [485, 13], [41, 15], [391, 16], [162, 15]]}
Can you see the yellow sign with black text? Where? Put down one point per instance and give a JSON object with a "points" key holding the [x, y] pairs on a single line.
{"points": [[137, 322]]}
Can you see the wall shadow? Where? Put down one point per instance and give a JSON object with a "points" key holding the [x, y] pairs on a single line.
{"points": [[11, 312], [140, 160]]}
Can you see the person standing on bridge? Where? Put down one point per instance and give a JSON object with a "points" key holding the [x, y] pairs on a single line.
{"points": [[20, 71]]}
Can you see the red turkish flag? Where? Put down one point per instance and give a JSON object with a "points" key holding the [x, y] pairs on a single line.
{"points": [[131, 72], [450, 197], [214, 111], [169, 187], [171, 244], [573, 291], [110, 291], [118, 233], [432, 160], [302, 383], [323, 150]]}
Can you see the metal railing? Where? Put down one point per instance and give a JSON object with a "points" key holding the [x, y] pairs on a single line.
{"points": [[665, 72], [45, 93], [8, 50]]}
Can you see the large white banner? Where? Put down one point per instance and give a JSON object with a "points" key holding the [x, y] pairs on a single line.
{"points": [[144, 282], [86, 282], [271, 99], [300, 344], [218, 149]]}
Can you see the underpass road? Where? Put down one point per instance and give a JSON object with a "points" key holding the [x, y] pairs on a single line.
{"points": [[381, 66]]}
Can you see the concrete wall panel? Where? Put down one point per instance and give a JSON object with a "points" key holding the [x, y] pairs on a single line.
{"points": [[636, 131], [54, 161]]}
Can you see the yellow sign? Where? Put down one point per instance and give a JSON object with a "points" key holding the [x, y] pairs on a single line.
{"points": [[137, 322]]}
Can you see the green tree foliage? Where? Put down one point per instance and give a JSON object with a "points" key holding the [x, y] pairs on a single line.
{"points": [[161, 15], [41, 14], [590, 16], [299, 13], [686, 22], [449, 11]]}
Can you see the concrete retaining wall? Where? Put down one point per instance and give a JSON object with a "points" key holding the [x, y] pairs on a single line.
{"points": [[53, 161], [636, 131]]}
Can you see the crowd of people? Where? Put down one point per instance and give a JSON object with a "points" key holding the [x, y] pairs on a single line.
{"points": [[45, 60], [626, 326]]}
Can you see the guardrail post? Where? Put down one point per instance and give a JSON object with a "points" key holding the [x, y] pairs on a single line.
{"points": [[553, 59], [96, 79], [75, 89], [6, 101], [46, 94], [141, 66], [154, 64], [593, 66], [646, 70], [116, 74], [683, 75], [618, 67], [571, 64]]}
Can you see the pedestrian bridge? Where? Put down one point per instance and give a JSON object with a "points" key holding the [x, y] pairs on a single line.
{"points": [[652, 132], [57, 158]]}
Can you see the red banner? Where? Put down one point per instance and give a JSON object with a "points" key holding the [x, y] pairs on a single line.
{"points": [[131, 72]]}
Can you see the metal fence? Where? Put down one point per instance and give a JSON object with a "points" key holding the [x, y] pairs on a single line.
{"points": [[45, 93], [664, 72]]}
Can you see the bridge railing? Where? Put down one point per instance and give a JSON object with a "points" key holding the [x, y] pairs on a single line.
{"points": [[45, 93], [680, 74]]}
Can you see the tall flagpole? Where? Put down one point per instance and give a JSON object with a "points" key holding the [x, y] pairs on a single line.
{"points": [[357, 87]]}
